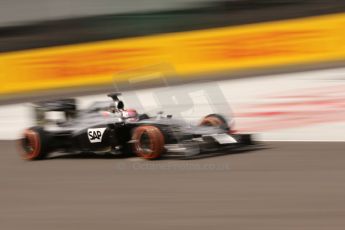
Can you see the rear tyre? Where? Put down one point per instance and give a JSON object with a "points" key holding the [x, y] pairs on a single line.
{"points": [[34, 144], [149, 142], [215, 120]]}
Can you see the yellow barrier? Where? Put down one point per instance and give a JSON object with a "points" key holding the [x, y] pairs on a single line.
{"points": [[259, 45]]}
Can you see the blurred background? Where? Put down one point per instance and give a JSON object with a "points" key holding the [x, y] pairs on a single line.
{"points": [[276, 66]]}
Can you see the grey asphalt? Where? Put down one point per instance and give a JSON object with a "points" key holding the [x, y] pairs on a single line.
{"points": [[277, 186]]}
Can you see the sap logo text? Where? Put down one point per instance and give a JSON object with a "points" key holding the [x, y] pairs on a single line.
{"points": [[95, 135]]}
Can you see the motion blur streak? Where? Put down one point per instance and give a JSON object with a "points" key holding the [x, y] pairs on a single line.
{"points": [[277, 66], [263, 45], [305, 106]]}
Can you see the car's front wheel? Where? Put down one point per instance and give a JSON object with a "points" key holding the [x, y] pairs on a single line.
{"points": [[215, 120], [148, 142]]}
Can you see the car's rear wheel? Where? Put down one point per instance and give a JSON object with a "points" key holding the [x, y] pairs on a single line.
{"points": [[34, 144], [148, 142], [215, 120]]}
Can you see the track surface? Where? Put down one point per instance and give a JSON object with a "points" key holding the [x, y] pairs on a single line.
{"points": [[281, 186]]}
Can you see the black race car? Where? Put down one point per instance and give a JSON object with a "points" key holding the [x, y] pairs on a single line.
{"points": [[106, 128]]}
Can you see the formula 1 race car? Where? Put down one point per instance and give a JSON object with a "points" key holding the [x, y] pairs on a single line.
{"points": [[108, 128]]}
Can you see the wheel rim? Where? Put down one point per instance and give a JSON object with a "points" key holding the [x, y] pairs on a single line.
{"points": [[30, 144], [145, 144]]}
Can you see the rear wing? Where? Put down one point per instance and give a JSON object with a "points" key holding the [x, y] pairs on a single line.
{"points": [[67, 106]]}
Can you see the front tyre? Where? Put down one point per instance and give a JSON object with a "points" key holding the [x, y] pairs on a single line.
{"points": [[34, 144], [215, 120], [148, 142]]}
